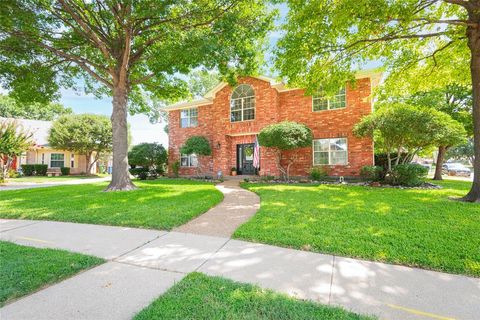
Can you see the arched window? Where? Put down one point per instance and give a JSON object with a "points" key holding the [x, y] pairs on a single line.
{"points": [[242, 103]]}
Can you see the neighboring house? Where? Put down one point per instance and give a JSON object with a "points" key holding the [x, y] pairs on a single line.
{"points": [[232, 117], [42, 153]]}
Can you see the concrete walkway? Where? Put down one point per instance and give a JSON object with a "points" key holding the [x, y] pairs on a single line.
{"points": [[237, 207], [30, 185], [142, 264]]}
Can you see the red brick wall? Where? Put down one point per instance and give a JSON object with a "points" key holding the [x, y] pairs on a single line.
{"points": [[272, 106]]}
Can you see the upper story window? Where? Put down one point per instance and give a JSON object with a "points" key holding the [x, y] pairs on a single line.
{"points": [[189, 118], [321, 102], [242, 103], [330, 151]]}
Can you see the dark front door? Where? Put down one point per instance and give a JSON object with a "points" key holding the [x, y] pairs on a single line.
{"points": [[245, 158]]}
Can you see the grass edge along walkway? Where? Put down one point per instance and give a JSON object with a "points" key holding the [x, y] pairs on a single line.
{"points": [[199, 296], [412, 227], [157, 204], [24, 270]]}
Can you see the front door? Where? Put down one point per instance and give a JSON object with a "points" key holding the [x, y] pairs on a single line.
{"points": [[245, 158]]}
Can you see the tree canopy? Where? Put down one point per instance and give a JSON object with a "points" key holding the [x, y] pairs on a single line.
{"points": [[326, 42], [84, 134], [285, 136], [148, 155], [9, 108], [400, 127], [133, 51]]}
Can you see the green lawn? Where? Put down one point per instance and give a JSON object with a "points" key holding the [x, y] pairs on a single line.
{"points": [[44, 179], [421, 228], [157, 204], [198, 296], [26, 269]]}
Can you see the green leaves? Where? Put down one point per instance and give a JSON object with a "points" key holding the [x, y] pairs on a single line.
{"points": [[14, 140], [81, 133], [198, 145], [398, 126], [285, 135], [9, 108], [43, 46], [326, 41], [147, 155]]}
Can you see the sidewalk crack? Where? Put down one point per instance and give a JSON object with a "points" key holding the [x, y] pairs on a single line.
{"points": [[216, 251], [26, 225], [138, 247], [331, 280]]}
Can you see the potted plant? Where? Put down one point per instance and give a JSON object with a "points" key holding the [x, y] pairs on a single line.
{"points": [[234, 171]]}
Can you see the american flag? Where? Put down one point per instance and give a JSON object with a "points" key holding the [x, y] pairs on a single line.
{"points": [[256, 154]]}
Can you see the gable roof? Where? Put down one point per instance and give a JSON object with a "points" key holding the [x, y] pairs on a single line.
{"points": [[38, 128], [375, 75]]}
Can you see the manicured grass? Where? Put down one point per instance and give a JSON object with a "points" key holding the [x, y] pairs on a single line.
{"points": [[157, 204], [26, 269], [198, 296], [421, 228], [43, 179]]}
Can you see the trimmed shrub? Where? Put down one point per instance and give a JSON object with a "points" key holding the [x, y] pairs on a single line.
{"points": [[40, 169], [410, 175], [65, 171], [137, 171], [28, 169], [372, 173], [318, 173], [143, 175]]}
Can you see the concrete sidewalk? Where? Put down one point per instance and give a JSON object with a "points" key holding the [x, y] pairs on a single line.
{"points": [[30, 185], [144, 263]]}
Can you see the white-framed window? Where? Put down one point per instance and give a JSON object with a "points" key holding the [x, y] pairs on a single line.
{"points": [[242, 103], [57, 160], [43, 158], [72, 161], [189, 118], [330, 151], [188, 160], [320, 102]]}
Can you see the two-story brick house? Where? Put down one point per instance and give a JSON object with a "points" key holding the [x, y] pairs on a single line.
{"points": [[230, 118]]}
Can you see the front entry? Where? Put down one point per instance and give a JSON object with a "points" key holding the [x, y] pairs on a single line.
{"points": [[245, 159]]}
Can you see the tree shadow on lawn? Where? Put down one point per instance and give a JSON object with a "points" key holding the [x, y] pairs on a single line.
{"points": [[411, 227], [160, 204]]}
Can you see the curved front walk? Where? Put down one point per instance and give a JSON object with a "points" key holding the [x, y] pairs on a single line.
{"points": [[237, 207], [143, 264]]}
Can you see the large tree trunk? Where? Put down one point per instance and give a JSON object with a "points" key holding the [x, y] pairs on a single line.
{"points": [[473, 33], [438, 166], [120, 176]]}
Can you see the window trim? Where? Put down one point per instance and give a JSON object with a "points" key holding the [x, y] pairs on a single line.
{"points": [[189, 161], [242, 108], [329, 152], [329, 100], [56, 153], [189, 117]]}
